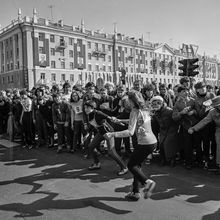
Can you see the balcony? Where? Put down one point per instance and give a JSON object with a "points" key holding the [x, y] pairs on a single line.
{"points": [[130, 56], [62, 44], [97, 52]]}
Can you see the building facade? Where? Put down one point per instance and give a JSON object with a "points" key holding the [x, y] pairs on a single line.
{"points": [[37, 51]]}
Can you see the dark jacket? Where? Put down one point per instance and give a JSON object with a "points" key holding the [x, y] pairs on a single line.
{"points": [[61, 113]]}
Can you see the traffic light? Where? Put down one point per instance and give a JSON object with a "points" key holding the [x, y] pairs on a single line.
{"points": [[192, 66], [183, 68], [188, 67]]}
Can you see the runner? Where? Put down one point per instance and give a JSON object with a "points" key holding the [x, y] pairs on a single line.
{"points": [[140, 122]]}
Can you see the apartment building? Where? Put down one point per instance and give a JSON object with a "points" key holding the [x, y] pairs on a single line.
{"points": [[36, 51]]}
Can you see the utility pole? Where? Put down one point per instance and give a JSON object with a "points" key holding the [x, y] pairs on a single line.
{"points": [[114, 53], [204, 68], [51, 11]]}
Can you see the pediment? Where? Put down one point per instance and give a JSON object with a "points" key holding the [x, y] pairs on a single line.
{"points": [[164, 49]]}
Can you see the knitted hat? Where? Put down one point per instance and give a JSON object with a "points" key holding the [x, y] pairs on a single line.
{"points": [[157, 98]]}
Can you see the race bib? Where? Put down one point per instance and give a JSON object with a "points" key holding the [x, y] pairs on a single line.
{"points": [[78, 109]]}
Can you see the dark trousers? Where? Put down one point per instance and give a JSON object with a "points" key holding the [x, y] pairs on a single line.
{"points": [[28, 128], [188, 141], [41, 129], [78, 131], [134, 164], [63, 134], [111, 149]]}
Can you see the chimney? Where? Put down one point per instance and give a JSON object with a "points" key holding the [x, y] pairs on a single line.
{"points": [[19, 15], [82, 26], [35, 15]]}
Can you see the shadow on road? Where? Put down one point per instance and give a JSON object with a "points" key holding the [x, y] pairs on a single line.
{"points": [[62, 166], [171, 182], [214, 216]]}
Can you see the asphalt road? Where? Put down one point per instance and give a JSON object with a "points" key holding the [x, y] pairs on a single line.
{"points": [[39, 184]]}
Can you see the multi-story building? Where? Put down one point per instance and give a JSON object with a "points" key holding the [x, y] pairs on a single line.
{"points": [[35, 51]]}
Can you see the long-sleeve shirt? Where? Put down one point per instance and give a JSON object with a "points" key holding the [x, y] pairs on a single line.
{"points": [[139, 123]]}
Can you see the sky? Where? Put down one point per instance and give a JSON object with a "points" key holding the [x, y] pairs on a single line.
{"points": [[160, 21]]}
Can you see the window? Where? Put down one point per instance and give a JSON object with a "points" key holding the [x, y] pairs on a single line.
{"points": [[151, 54], [62, 65], [96, 67], [126, 49], [12, 79], [103, 47], [89, 67], [89, 56], [53, 77], [16, 38], [97, 57], [71, 77], [104, 58], [53, 64], [52, 51], [8, 67], [12, 66], [52, 38], [96, 46], [109, 59], [132, 70], [109, 47], [62, 53], [41, 36], [146, 62], [42, 75], [63, 77], [78, 42], [71, 40], [103, 68], [41, 50], [70, 53], [17, 52], [71, 65], [146, 53], [109, 68], [18, 65], [89, 45]]}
